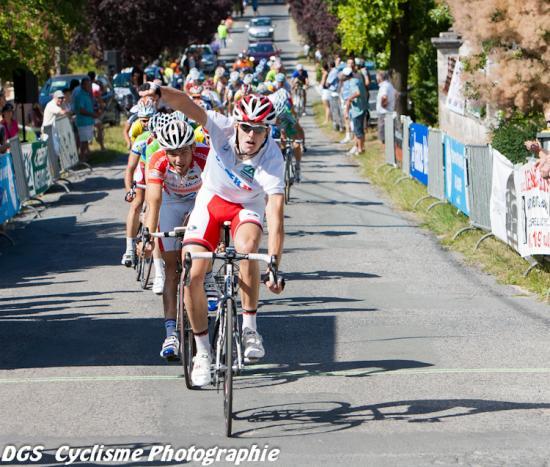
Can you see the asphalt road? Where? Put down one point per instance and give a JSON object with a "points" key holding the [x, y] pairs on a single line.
{"points": [[385, 350]]}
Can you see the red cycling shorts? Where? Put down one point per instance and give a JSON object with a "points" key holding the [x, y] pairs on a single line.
{"points": [[209, 214]]}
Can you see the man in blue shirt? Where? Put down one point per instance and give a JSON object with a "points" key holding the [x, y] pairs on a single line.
{"points": [[83, 106], [356, 103]]}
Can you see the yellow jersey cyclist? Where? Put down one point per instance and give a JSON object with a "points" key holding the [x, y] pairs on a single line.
{"points": [[135, 172]]}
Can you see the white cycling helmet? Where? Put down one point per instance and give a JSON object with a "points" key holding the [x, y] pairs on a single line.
{"points": [[157, 121], [254, 109], [234, 76], [280, 78], [248, 78], [175, 134], [279, 100], [142, 110]]}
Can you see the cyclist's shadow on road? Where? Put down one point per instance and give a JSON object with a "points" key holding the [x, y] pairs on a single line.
{"points": [[316, 417]]}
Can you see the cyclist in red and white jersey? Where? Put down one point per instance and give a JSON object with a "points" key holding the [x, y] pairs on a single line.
{"points": [[173, 179], [244, 167]]}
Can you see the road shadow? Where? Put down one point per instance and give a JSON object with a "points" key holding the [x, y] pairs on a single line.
{"points": [[312, 418], [324, 233], [343, 203], [58, 245]]}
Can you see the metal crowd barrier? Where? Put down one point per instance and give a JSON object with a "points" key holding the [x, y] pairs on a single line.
{"points": [[389, 142], [406, 162], [436, 167]]}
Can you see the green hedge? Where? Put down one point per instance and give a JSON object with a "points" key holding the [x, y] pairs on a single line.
{"points": [[511, 133]]}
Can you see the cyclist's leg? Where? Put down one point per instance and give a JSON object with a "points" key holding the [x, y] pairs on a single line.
{"points": [[132, 224], [247, 236]]}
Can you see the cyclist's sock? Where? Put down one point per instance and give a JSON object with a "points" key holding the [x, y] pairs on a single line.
{"points": [[249, 319], [130, 244], [202, 341], [170, 325], [159, 267]]}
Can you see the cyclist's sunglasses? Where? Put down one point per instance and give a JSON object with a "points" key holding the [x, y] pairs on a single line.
{"points": [[257, 129]]}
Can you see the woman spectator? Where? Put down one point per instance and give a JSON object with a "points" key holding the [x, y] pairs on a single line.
{"points": [[9, 123], [325, 91]]}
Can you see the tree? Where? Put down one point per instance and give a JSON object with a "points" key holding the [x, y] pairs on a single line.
{"points": [[317, 22], [142, 29], [391, 31], [31, 29], [510, 55]]}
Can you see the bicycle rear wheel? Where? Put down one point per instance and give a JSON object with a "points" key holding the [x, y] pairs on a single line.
{"points": [[230, 314], [147, 264], [187, 341]]}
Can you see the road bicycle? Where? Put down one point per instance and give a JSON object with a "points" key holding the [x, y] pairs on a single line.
{"points": [[299, 99], [226, 338], [142, 264], [290, 164], [185, 333]]}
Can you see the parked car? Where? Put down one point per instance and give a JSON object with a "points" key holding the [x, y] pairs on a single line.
{"points": [[111, 112], [125, 93], [208, 60], [260, 28], [260, 50]]}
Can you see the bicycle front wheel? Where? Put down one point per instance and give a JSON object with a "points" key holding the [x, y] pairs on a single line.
{"points": [[228, 363], [147, 264], [187, 342]]}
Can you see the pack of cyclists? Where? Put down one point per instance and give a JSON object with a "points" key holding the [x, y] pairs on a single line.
{"points": [[201, 156]]}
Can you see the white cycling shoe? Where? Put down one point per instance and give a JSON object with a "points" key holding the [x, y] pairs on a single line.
{"points": [[170, 348], [128, 259], [158, 285], [201, 375], [253, 345]]}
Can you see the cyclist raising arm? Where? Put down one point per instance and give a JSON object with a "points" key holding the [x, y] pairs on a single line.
{"points": [[244, 165]]}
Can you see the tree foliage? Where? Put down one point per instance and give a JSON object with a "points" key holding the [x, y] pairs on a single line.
{"points": [[31, 29], [510, 55], [142, 29], [397, 33], [316, 22]]}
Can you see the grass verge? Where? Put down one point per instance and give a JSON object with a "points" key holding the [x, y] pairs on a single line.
{"points": [[492, 256], [114, 146]]}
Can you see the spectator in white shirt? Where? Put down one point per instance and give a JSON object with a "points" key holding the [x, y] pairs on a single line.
{"points": [[53, 109], [385, 100]]}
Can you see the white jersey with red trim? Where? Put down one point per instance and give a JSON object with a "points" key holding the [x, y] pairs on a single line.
{"points": [[178, 187], [235, 180]]}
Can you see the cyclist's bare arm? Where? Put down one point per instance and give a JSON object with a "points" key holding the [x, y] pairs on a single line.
{"points": [[275, 225], [178, 100], [126, 134], [153, 197], [133, 161]]}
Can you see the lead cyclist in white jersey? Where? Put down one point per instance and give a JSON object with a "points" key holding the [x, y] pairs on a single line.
{"points": [[244, 168]]}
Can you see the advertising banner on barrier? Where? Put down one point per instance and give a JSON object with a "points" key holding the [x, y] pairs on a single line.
{"points": [[456, 174], [65, 143], [503, 201], [26, 153], [9, 201], [37, 171], [534, 211], [398, 141], [418, 144]]}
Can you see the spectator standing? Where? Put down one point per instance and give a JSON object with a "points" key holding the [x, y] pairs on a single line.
{"points": [[356, 107], [2, 98], [238, 7], [229, 23], [222, 34], [325, 91], [255, 7], [99, 105], [53, 109], [385, 100], [85, 117], [36, 118], [9, 123]]}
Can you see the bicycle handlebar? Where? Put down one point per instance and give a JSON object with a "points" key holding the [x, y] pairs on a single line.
{"points": [[232, 255], [178, 232]]}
